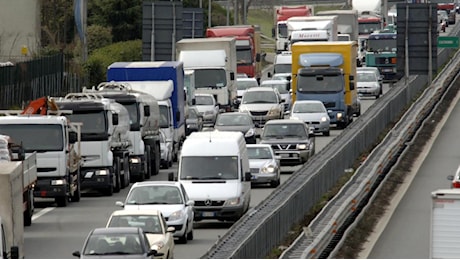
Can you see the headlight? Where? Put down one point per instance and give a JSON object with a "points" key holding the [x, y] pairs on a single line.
{"points": [[268, 169], [273, 111], [250, 132], [176, 215], [301, 146], [339, 115], [233, 202], [243, 110], [159, 244], [134, 160], [323, 119], [102, 172], [58, 182]]}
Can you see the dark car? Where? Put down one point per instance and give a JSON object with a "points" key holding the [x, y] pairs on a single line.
{"points": [[194, 121], [291, 139], [117, 242], [237, 121]]}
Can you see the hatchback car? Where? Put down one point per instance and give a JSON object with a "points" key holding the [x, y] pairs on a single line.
{"points": [[117, 242], [152, 223], [237, 121], [242, 84], [263, 104], [166, 150], [375, 70], [264, 165], [194, 121], [368, 84], [207, 106], [313, 113], [170, 198], [284, 88]]}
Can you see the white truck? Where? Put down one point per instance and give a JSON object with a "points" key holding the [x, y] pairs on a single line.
{"points": [[312, 28], [104, 140], [144, 115], [368, 7], [347, 21], [214, 63], [444, 228], [58, 160]]}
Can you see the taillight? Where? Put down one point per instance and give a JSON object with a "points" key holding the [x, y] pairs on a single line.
{"points": [[455, 184]]}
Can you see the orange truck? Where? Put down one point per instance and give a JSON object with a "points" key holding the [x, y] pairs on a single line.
{"points": [[248, 54], [280, 29]]}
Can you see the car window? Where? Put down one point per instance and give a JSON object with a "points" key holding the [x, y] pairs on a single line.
{"points": [[148, 223], [259, 153], [243, 85], [204, 100], [256, 97], [366, 77], [308, 108], [155, 194], [284, 130], [233, 120], [116, 244]]}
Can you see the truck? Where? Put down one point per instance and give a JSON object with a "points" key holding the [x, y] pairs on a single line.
{"points": [[247, 47], [347, 21], [214, 63], [445, 211], [367, 24], [189, 87], [144, 116], [163, 80], [280, 30], [326, 71], [368, 7], [57, 143], [312, 28], [381, 53], [104, 140]]}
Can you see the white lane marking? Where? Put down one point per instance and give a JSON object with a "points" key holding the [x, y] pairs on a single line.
{"points": [[42, 212]]}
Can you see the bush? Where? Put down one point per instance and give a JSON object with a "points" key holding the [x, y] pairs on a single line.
{"points": [[98, 37]]}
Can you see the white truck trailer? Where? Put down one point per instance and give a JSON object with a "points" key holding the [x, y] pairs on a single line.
{"points": [[347, 21], [312, 28], [444, 228]]}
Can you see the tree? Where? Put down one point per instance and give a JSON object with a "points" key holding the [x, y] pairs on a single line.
{"points": [[57, 23]]}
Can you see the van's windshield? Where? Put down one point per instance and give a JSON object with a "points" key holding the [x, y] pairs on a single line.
{"points": [[209, 168]]}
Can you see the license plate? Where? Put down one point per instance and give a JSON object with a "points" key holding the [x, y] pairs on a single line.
{"points": [[89, 175], [284, 155], [253, 177], [208, 214]]}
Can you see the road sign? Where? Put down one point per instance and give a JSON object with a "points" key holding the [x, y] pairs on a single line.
{"points": [[447, 42]]}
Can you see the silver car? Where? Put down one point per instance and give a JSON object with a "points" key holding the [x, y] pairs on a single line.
{"points": [[207, 106], [283, 86], [243, 84], [264, 165], [368, 84], [263, 104], [313, 113]]}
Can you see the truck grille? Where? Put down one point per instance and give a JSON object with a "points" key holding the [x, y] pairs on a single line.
{"points": [[312, 123], [284, 147], [259, 113], [385, 60], [214, 203]]}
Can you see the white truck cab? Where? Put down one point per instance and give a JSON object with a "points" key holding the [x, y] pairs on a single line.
{"points": [[214, 169]]}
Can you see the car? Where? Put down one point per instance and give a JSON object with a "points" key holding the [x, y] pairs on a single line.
{"points": [[264, 165], [238, 121], [117, 242], [368, 84], [166, 150], [284, 88], [242, 84], [241, 75], [375, 70], [207, 106], [291, 139], [170, 198], [152, 223], [263, 104], [444, 16], [285, 76], [442, 24], [313, 113], [194, 121]]}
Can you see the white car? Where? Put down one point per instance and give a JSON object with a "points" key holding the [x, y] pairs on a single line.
{"points": [[207, 106], [368, 84], [166, 148], [264, 165], [284, 88], [243, 84], [152, 223], [313, 113], [170, 198], [263, 104]]}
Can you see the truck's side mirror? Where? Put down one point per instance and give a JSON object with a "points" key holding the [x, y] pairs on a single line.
{"points": [[147, 111], [273, 32], [352, 85], [14, 252], [258, 57], [232, 75], [73, 137], [269, 74], [193, 101], [247, 176], [115, 119], [177, 115], [351, 77]]}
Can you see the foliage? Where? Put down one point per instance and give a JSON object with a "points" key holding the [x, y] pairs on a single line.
{"points": [[57, 23], [100, 59], [98, 37]]}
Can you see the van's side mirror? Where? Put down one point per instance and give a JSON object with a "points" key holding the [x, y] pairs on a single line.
{"points": [[258, 57], [115, 119], [273, 32], [177, 115], [171, 177], [232, 75], [247, 176], [73, 137], [14, 252], [147, 111], [269, 74]]}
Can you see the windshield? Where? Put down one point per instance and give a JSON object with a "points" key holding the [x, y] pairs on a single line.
{"points": [[282, 68], [192, 113], [36, 137], [204, 100], [366, 77], [113, 244], [308, 108], [284, 130], [381, 45], [209, 168], [243, 85], [133, 115], [229, 119], [164, 116], [259, 153], [93, 122], [243, 56], [326, 83], [256, 97], [206, 78], [368, 28], [148, 223], [282, 30], [281, 87], [154, 194]]}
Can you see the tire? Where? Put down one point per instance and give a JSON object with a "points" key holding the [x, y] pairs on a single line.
{"points": [[183, 238], [190, 235], [77, 194], [157, 160], [275, 184], [149, 160], [28, 214], [62, 201], [116, 171], [125, 180], [326, 133]]}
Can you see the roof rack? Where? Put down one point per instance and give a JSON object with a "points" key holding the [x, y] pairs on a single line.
{"points": [[79, 96], [112, 85]]}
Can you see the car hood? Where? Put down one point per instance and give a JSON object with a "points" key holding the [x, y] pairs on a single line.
{"points": [[134, 256], [191, 121], [366, 84], [309, 116], [212, 189], [283, 140], [257, 107], [259, 163], [165, 209], [204, 108], [239, 128]]}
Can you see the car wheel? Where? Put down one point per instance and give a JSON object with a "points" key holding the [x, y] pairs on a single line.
{"points": [[275, 184], [183, 238], [190, 235], [326, 133]]}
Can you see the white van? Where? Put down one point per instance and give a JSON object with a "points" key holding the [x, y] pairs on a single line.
{"points": [[214, 170]]}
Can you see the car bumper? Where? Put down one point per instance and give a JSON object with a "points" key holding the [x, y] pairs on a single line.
{"points": [[261, 178], [293, 157], [219, 213], [263, 119], [179, 225], [368, 91], [209, 118], [93, 181]]}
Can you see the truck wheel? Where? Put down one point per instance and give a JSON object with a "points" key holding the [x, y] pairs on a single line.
{"points": [[62, 201], [148, 159], [125, 180], [157, 159], [28, 214], [117, 173], [77, 194]]}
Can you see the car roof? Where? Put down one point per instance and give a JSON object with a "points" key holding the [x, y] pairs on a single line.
{"points": [[274, 81], [116, 230], [156, 183], [260, 89], [140, 211], [204, 94], [284, 121], [246, 79], [307, 101], [233, 113]]}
